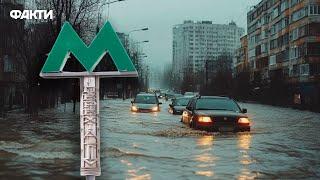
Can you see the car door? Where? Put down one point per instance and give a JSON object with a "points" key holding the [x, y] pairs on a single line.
{"points": [[188, 112]]}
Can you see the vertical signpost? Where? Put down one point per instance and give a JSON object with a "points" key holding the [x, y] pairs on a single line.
{"points": [[106, 41], [90, 126]]}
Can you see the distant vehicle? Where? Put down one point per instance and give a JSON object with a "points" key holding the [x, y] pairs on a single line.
{"points": [[145, 103], [191, 94], [214, 113], [169, 96], [162, 95], [178, 105]]}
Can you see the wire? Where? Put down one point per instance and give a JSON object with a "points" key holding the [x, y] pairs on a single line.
{"points": [[108, 10]]}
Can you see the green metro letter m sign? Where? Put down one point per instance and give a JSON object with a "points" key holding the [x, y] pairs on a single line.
{"points": [[106, 41]]}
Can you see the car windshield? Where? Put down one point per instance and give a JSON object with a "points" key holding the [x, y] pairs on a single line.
{"points": [[217, 104], [181, 102], [146, 99]]}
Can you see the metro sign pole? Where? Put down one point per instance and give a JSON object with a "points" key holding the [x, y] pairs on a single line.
{"points": [[106, 41]]}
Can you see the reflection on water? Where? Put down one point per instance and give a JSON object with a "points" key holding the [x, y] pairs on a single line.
{"points": [[244, 143], [206, 159], [283, 145], [135, 173], [205, 142], [205, 173]]}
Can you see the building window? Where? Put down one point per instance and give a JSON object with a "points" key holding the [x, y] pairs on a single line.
{"points": [[282, 56], [294, 52], [7, 64], [284, 5], [294, 70], [272, 60], [299, 14], [286, 72], [304, 69], [294, 2], [273, 44], [294, 35], [314, 69], [275, 12], [314, 9]]}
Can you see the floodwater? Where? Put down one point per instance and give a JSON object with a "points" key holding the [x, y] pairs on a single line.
{"points": [[283, 143]]}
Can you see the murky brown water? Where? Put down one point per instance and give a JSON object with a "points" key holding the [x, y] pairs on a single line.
{"points": [[284, 143]]}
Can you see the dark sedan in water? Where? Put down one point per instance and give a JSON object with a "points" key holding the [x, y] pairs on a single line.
{"points": [[178, 105], [214, 113]]}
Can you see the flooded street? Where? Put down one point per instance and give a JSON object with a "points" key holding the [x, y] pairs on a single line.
{"points": [[283, 143]]}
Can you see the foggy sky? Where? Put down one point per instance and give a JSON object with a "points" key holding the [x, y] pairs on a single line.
{"points": [[161, 15]]}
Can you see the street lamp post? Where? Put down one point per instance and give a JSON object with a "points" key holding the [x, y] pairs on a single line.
{"points": [[111, 2], [124, 83], [99, 12]]}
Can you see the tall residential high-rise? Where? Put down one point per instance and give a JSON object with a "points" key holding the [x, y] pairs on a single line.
{"points": [[284, 44], [195, 43]]}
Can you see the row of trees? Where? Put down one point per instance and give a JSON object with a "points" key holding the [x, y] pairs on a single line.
{"points": [[35, 40], [218, 78]]}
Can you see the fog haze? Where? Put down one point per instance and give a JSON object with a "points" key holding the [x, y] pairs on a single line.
{"points": [[161, 15]]}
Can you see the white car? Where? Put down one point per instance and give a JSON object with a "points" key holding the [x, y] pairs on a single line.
{"points": [[145, 103]]}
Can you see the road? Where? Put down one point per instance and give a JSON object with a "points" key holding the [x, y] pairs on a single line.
{"points": [[283, 143]]}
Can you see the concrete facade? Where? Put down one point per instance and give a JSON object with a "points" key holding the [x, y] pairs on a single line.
{"points": [[284, 35], [195, 43], [284, 46]]}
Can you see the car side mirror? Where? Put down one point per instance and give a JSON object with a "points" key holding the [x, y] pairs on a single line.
{"points": [[244, 110], [160, 103], [132, 102], [171, 105]]}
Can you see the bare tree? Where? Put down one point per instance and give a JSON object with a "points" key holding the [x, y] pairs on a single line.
{"points": [[35, 40], [82, 14]]}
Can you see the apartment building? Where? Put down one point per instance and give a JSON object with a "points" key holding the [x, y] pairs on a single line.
{"points": [[196, 43], [284, 42], [240, 61]]}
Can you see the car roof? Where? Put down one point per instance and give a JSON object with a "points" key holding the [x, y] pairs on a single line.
{"points": [[213, 97], [145, 94], [184, 97]]}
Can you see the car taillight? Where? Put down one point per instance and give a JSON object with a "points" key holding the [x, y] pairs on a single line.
{"points": [[244, 121], [204, 119]]}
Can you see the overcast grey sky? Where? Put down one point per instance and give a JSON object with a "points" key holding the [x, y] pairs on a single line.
{"points": [[161, 15]]}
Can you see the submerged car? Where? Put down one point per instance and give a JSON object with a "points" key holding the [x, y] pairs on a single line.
{"points": [[145, 103], [214, 113], [178, 105]]}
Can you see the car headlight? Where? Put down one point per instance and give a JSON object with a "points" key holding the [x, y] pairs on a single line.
{"points": [[155, 108], [204, 119], [134, 108], [184, 114], [244, 121]]}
